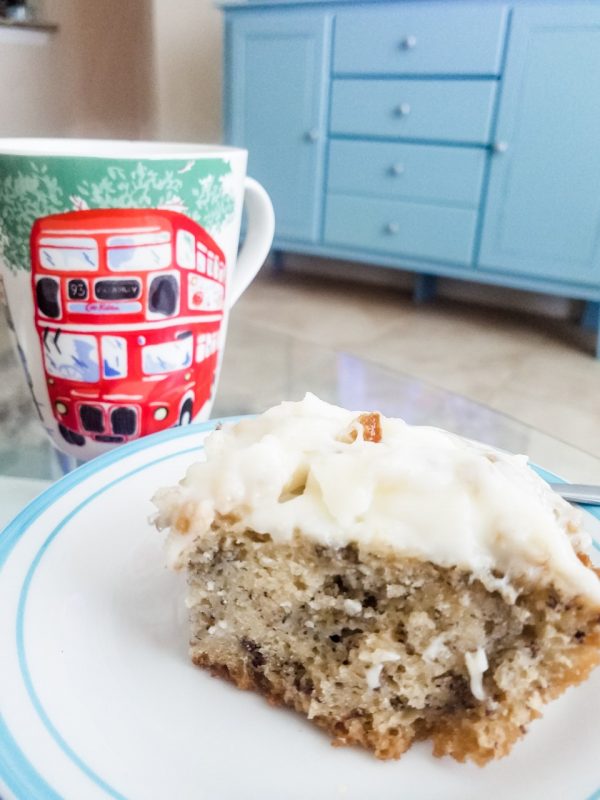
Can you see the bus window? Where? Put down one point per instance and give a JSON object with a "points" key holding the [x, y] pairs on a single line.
{"points": [[204, 295], [186, 249], [141, 251], [168, 356], [201, 261], [47, 297], [206, 345], [71, 355], [114, 357], [201, 348], [68, 253], [163, 295]]}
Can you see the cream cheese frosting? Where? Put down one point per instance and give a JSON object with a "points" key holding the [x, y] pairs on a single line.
{"points": [[308, 467]]}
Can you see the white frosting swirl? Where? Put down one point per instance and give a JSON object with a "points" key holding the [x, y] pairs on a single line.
{"points": [[420, 491]]}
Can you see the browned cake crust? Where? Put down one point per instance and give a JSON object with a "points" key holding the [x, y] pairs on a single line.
{"points": [[307, 625]]}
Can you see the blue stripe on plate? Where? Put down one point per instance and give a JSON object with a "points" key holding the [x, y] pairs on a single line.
{"points": [[14, 530], [33, 696], [18, 773]]}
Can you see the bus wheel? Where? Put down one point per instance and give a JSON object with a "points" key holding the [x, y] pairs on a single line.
{"points": [[185, 416], [71, 437]]}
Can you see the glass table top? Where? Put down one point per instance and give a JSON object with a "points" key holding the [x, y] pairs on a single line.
{"points": [[261, 367]]}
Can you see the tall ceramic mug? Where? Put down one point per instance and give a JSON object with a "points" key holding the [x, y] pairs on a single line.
{"points": [[120, 265]]}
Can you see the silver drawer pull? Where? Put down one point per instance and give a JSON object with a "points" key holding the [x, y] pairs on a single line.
{"points": [[402, 110], [500, 147], [392, 227], [397, 169], [408, 43]]}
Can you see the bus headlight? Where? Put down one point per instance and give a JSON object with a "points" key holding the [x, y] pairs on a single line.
{"points": [[60, 407], [161, 413]]}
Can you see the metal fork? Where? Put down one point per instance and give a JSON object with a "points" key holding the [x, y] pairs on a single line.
{"points": [[578, 492]]}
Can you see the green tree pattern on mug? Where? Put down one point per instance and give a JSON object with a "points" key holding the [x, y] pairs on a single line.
{"points": [[30, 190]]}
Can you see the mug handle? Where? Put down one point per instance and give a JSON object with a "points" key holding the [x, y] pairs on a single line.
{"points": [[259, 237]]}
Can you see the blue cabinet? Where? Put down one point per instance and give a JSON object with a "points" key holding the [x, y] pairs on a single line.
{"points": [[276, 108], [457, 139], [542, 215]]}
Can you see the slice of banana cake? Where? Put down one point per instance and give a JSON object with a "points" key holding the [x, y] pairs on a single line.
{"points": [[390, 582]]}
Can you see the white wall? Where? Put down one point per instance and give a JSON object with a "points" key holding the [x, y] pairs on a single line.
{"points": [[93, 77], [188, 56], [27, 106], [115, 68]]}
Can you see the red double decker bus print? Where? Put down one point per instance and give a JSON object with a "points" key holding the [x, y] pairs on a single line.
{"points": [[128, 308]]}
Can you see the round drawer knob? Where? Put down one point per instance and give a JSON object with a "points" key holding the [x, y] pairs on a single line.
{"points": [[500, 147], [397, 169], [392, 228], [402, 110], [408, 43], [312, 135]]}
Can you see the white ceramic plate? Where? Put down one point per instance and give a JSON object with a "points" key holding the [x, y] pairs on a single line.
{"points": [[99, 699]]}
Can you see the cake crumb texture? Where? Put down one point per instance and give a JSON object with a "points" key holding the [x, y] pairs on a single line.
{"points": [[384, 651]]}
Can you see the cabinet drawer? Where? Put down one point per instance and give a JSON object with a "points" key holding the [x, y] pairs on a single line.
{"points": [[442, 110], [407, 171], [420, 39], [401, 228]]}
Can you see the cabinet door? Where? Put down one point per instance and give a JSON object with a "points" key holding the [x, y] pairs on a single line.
{"points": [[542, 216], [276, 92]]}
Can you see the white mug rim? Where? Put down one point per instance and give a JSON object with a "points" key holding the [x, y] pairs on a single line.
{"points": [[112, 148]]}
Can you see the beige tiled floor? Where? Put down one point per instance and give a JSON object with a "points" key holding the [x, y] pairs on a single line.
{"points": [[537, 369]]}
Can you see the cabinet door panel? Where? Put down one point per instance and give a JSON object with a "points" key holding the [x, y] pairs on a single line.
{"points": [[542, 216], [276, 109]]}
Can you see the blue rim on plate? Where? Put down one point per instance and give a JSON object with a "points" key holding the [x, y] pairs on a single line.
{"points": [[17, 773]]}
